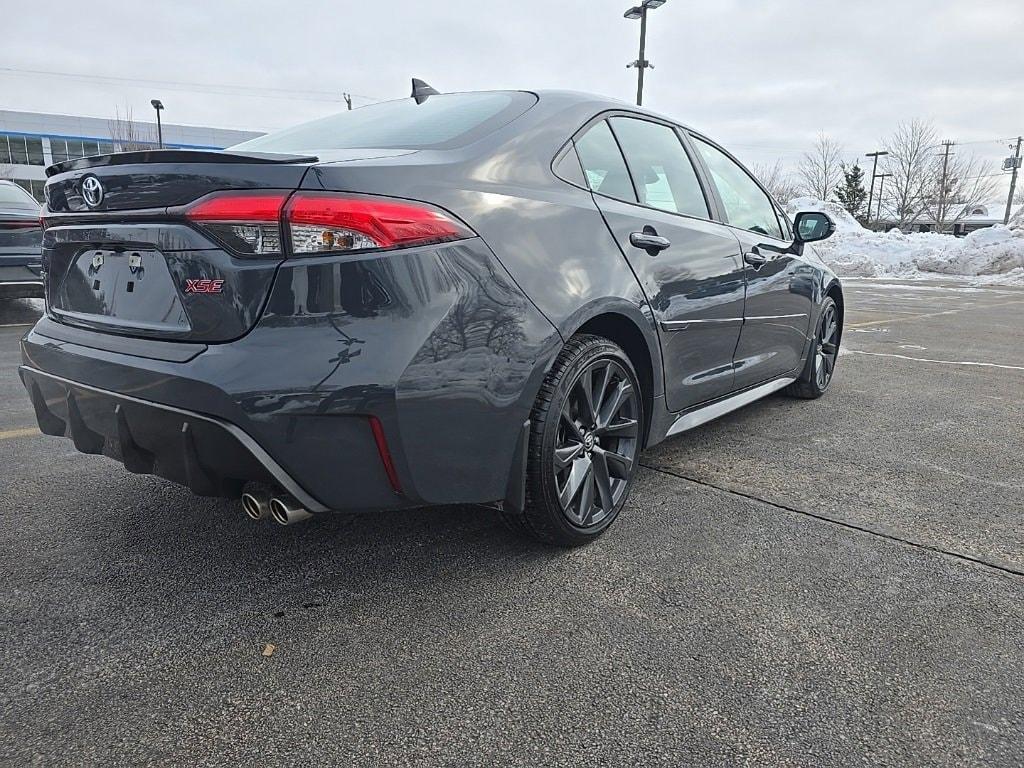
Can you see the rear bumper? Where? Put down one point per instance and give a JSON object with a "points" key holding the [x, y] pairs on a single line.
{"points": [[436, 344], [207, 455]]}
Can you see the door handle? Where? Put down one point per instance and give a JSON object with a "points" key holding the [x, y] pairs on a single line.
{"points": [[755, 258], [649, 240]]}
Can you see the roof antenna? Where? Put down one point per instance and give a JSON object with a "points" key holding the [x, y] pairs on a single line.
{"points": [[420, 90]]}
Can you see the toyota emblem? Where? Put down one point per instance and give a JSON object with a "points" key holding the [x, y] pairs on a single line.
{"points": [[92, 191]]}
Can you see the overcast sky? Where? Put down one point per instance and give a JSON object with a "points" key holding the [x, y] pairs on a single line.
{"points": [[762, 76]]}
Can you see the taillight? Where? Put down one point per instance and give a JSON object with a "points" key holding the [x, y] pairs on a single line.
{"points": [[247, 222], [321, 222], [324, 222]]}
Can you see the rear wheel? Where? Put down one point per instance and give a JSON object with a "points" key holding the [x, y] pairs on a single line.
{"points": [[584, 443], [821, 362]]}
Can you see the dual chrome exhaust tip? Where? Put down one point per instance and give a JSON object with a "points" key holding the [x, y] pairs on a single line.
{"points": [[282, 509], [256, 504]]}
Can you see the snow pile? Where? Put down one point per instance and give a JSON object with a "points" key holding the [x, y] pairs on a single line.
{"points": [[990, 255]]}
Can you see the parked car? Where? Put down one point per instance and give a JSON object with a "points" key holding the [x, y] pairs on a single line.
{"points": [[495, 298], [21, 241]]}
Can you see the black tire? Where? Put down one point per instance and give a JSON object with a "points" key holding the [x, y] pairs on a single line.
{"points": [[820, 367], [578, 451]]}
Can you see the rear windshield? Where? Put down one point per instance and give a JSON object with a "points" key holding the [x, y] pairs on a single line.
{"points": [[440, 122], [13, 195]]}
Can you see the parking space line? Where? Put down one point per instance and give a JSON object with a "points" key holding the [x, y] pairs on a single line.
{"points": [[10, 434], [16, 325], [941, 362]]}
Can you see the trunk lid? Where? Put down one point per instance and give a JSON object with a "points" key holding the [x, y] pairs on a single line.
{"points": [[120, 257]]}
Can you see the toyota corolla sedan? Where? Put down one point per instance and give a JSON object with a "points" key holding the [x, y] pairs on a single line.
{"points": [[21, 240], [494, 298]]}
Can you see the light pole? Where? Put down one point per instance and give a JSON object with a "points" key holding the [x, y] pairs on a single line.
{"points": [[640, 12], [158, 105]]}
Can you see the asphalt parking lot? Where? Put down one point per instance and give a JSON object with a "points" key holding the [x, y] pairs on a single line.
{"points": [[837, 582]]}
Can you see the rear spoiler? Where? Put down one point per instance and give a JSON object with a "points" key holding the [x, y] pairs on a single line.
{"points": [[176, 156]]}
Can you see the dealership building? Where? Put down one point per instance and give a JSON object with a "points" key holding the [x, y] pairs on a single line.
{"points": [[30, 141]]}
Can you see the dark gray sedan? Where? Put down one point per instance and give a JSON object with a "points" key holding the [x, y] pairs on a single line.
{"points": [[493, 298], [21, 240]]}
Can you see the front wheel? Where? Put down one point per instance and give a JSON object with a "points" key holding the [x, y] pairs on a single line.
{"points": [[821, 361], [586, 435]]}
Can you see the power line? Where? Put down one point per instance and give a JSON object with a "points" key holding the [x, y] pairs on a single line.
{"points": [[989, 141], [293, 94]]}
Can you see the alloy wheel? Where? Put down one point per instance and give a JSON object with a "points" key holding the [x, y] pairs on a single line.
{"points": [[596, 443], [828, 347]]}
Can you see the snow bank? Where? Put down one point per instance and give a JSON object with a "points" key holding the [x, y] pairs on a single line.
{"points": [[991, 255]]}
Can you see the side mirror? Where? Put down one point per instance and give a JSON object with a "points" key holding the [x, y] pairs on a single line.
{"points": [[812, 226]]}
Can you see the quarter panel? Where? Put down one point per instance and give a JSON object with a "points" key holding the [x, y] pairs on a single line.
{"points": [[440, 344]]}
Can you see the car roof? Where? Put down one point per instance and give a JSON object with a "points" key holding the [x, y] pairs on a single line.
{"points": [[605, 103]]}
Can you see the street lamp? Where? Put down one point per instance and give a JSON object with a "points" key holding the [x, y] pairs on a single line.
{"points": [[158, 105], [640, 12]]}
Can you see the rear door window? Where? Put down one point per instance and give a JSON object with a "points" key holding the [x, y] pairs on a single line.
{"points": [[747, 206], [567, 168], [603, 165], [662, 172]]}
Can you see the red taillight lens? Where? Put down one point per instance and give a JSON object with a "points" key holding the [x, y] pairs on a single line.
{"points": [[325, 222], [238, 206], [247, 222], [321, 222]]}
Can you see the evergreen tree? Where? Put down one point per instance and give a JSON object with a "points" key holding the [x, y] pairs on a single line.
{"points": [[851, 193]]}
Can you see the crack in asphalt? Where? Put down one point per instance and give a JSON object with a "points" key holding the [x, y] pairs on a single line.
{"points": [[841, 523]]}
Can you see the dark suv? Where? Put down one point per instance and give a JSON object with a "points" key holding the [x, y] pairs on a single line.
{"points": [[497, 298]]}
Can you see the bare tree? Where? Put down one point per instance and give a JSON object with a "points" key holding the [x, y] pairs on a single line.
{"points": [[821, 170], [129, 135], [959, 182], [777, 180], [911, 163]]}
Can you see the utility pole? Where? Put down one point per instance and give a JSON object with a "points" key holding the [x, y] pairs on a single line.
{"points": [[874, 174], [881, 182], [640, 12], [348, 100], [943, 185], [1013, 162]]}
